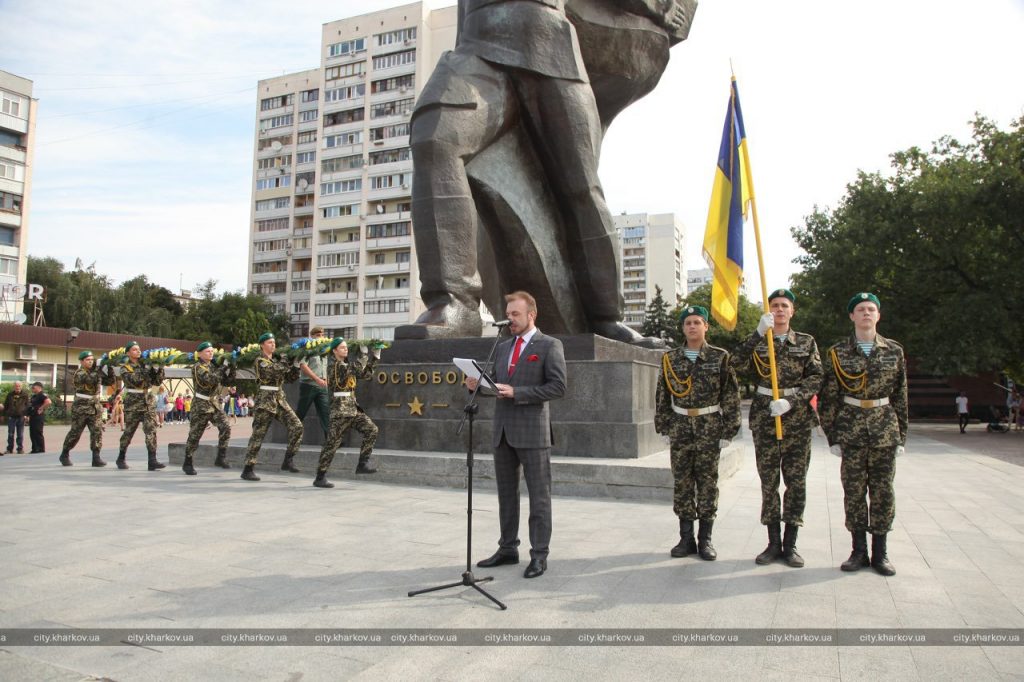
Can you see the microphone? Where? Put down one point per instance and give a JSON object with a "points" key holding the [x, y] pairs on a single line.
{"points": [[503, 323]]}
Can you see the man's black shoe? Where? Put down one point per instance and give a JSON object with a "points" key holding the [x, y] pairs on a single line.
{"points": [[498, 559], [536, 568]]}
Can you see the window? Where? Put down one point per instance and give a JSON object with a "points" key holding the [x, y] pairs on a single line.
{"points": [[402, 257], [347, 92], [338, 211], [307, 136], [269, 266], [274, 162], [333, 260], [8, 266], [387, 132], [347, 47], [270, 245], [14, 371], [269, 288], [272, 225], [390, 305], [341, 163], [300, 307], [336, 285], [304, 182], [275, 102], [340, 186], [344, 139], [399, 83], [305, 157], [302, 243], [300, 285], [390, 156], [379, 258], [276, 121], [274, 182], [345, 70], [310, 115], [271, 204], [402, 229], [339, 236], [12, 171], [394, 59], [10, 202], [280, 141], [7, 236], [329, 309], [392, 37], [401, 180], [399, 107], [342, 117], [310, 95]]}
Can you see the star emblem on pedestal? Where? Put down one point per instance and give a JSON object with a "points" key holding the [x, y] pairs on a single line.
{"points": [[415, 407]]}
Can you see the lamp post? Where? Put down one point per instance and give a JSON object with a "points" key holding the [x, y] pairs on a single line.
{"points": [[72, 335]]}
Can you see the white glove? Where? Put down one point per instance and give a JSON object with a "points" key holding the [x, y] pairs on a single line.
{"points": [[777, 408], [722, 444], [836, 450], [766, 322], [900, 450], [376, 352], [363, 349]]}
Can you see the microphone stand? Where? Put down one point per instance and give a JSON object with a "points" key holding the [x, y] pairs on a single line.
{"points": [[469, 412]]}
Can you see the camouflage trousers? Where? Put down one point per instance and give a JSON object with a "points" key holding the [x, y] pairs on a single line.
{"points": [[135, 414], [261, 419], [869, 473], [791, 459], [85, 413], [340, 423], [201, 414], [696, 482]]}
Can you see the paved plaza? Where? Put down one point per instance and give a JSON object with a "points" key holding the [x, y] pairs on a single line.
{"points": [[100, 548]]}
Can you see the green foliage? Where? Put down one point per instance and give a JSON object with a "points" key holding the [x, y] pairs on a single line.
{"points": [[657, 321], [54, 413], [940, 240], [717, 335]]}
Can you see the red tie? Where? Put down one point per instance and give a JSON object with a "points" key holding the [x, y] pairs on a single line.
{"points": [[515, 355]]}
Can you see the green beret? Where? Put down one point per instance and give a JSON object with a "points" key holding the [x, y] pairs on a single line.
{"points": [[693, 310], [861, 298], [266, 336], [782, 292], [84, 354], [128, 345], [203, 346], [336, 341]]}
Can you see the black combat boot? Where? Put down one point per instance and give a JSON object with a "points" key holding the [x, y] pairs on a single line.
{"points": [[121, 463], [289, 465], [687, 545], [364, 465], [154, 465], [222, 459], [187, 466], [879, 559], [97, 461], [704, 547], [859, 556], [774, 549], [789, 553], [65, 458], [248, 474], [321, 480]]}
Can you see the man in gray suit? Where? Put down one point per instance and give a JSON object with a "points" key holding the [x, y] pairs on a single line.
{"points": [[529, 370]]}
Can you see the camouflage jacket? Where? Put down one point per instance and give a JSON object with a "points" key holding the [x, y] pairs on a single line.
{"points": [[88, 382], [272, 372], [343, 377], [883, 374], [708, 381], [797, 365], [208, 378], [141, 378]]}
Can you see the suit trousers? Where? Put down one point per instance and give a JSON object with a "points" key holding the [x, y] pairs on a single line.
{"points": [[536, 467]]}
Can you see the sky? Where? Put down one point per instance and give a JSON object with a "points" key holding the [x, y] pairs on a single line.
{"points": [[144, 142]]}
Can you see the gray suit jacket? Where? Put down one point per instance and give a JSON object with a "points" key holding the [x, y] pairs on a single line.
{"points": [[538, 378]]}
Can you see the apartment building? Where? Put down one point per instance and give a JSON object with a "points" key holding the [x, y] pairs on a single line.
{"points": [[331, 229], [17, 136], [652, 255]]}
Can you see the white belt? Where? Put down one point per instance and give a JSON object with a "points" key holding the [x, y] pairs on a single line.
{"points": [[134, 390], [342, 394], [865, 404], [696, 411], [87, 396], [204, 397], [764, 390], [269, 388]]}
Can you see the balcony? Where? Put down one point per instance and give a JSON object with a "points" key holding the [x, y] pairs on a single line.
{"points": [[261, 277], [300, 274], [385, 268], [336, 296], [388, 242], [386, 293]]}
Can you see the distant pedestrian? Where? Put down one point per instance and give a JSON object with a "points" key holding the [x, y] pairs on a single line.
{"points": [[161, 406], [38, 403], [15, 405], [179, 408], [1015, 409], [962, 411]]}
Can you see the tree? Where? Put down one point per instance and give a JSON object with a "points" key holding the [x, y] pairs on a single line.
{"points": [[940, 240], [657, 322]]}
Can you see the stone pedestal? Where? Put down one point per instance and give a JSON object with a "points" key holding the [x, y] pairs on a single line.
{"points": [[416, 398]]}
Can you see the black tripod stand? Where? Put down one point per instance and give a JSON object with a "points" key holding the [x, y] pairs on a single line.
{"points": [[468, 579]]}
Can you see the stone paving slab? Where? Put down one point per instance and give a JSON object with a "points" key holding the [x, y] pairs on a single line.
{"points": [[98, 548]]}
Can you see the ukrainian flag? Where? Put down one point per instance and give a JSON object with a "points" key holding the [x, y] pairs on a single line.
{"points": [[730, 200]]}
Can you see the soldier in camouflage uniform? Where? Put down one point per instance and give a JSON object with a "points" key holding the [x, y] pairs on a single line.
{"points": [[139, 405], [345, 411], [271, 375], [86, 411], [798, 368], [207, 380], [864, 414], [698, 408]]}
